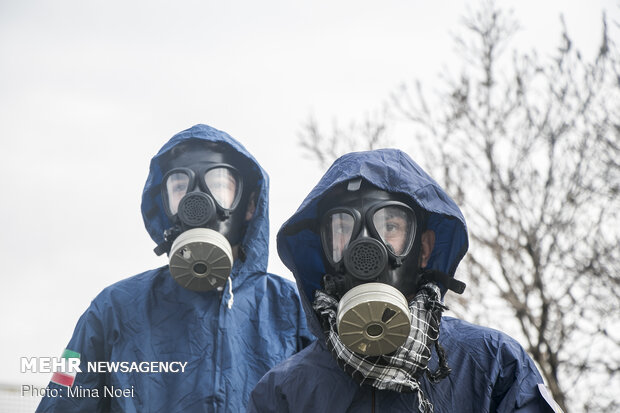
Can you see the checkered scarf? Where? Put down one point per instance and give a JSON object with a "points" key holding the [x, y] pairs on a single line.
{"points": [[401, 370]]}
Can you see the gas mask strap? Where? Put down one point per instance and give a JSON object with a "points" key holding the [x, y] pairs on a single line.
{"points": [[231, 300], [169, 236], [444, 279], [334, 285], [443, 370], [162, 248]]}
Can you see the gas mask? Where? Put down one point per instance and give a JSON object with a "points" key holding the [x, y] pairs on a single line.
{"points": [[371, 243], [204, 197]]}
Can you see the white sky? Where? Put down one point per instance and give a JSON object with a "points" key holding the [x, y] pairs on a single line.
{"points": [[90, 90]]}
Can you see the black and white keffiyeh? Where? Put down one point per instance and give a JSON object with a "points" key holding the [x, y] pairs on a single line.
{"points": [[401, 370]]}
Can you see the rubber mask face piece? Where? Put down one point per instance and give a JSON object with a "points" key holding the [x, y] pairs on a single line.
{"points": [[373, 319], [203, 196], [369, 235]]}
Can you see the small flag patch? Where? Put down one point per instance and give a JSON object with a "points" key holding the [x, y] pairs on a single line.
{"points": [[66, 375]]}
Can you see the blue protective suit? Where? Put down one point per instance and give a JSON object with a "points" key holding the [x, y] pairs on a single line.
{"points": [[149, 317], [490, 371]]}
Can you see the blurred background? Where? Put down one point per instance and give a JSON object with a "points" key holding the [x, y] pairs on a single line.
{"points": [[511, 105]]}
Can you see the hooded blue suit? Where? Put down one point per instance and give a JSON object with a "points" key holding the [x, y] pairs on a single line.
{"points": [[149, 317], [490, 371]]}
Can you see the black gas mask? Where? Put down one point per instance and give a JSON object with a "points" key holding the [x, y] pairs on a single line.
{"points": [[369, 235], [204, 196], [371, 242]]}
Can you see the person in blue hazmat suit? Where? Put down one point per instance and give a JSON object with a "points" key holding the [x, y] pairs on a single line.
{"points": [[373, 248], [213, 316]]}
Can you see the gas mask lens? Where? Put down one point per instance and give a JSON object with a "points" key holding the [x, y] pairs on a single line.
{"points": [[339, 229], [395, 225], [222, 183], [177, 185]]}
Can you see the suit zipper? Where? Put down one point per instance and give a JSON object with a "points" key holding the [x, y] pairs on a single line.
{"points": [[372, 406]]}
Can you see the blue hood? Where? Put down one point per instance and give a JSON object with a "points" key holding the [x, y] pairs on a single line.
{"points": [[256, 239], [299, 244]]}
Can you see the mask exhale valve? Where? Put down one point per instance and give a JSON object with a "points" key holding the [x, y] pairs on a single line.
{"points": [[373, 319], [201, 259]]}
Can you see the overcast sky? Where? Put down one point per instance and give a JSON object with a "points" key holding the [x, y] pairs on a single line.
{"points": [[91, 89]]}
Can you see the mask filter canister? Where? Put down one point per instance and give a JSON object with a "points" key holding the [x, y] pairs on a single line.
{"points": [[201, 259], [373, 319]]}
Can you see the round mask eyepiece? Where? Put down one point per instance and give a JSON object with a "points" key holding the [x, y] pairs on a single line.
{"points": [[366, 258]]}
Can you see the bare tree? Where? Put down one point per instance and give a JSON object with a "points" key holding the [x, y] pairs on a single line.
{"points": [[366, 135], [529, 148]]}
